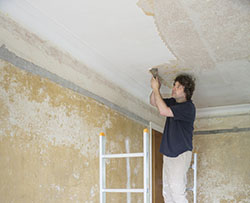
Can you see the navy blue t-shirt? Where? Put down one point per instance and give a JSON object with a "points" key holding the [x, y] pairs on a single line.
{"points": [[178, 132]]}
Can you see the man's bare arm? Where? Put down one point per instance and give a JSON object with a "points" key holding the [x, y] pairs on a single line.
{"points": [[157, 99], [161, 105], [152, 99]]}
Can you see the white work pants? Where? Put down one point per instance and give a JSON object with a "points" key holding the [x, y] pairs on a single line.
{"points": [[175, 177]]}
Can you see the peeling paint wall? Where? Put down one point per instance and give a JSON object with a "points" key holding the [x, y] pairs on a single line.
{"points": [[49, 142], [223, 159]]}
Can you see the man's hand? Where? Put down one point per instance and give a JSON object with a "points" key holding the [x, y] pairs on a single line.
{"points": [[155, 83]]}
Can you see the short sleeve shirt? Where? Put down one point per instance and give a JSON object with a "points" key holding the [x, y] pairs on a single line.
{"points": [[178, 132]]}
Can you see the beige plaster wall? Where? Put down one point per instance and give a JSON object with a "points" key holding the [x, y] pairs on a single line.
{"points": [[49, 142], [223, 160]]}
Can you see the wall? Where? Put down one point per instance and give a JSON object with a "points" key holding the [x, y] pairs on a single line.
{"points": [[18, 43], [49, 142], [222, 144]]}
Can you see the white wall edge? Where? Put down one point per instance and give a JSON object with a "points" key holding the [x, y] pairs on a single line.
{"points": [[223, 110]]}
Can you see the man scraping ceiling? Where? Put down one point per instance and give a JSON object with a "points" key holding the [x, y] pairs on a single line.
{"points": [[176, 144]]}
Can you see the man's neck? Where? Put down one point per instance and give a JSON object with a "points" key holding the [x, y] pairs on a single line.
{"points": [[181, 100]]}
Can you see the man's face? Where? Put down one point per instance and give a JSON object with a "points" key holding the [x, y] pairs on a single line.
{"points": [[178, 91]]}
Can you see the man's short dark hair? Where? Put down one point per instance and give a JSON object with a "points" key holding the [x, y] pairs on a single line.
{"points": [[188, 82]]}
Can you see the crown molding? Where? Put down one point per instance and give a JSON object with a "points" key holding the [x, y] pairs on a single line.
{"points": [[223, 111]]}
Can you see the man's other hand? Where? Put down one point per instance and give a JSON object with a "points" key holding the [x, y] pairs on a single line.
{"points": [[155, 83]]}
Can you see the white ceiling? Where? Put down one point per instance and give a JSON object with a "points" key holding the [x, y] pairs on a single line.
{"points": [[115, 38]]}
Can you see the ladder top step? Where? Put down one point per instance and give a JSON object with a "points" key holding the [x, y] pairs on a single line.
{"points": [[123, 155], [124, 190]]}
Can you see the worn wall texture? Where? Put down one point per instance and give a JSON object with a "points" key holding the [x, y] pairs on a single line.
{"points": [[223, 159], [49, 142], [49, 147]]}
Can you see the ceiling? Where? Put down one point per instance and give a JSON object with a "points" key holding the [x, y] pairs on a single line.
{"points": [[121, 40]]}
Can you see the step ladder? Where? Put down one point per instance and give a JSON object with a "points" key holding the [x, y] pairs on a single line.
{"points": [[103, 156], [194, 168]]}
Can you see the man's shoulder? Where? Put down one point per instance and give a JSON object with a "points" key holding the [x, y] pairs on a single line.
{"points": [[186, 106], [169, 101], [189, 105]]}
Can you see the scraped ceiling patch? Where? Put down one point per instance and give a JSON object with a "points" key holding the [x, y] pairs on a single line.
{"points": [[168, 71]]}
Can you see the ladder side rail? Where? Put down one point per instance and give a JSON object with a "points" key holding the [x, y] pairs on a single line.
{"points": [[194, 188], [102, 140], [195, 178], [145, 165]]}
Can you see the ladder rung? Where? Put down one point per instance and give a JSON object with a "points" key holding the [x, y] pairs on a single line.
{"points": [[123, 155], [124, 190], [192, 167]]}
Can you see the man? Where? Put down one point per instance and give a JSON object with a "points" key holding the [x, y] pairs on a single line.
{"points": [[176, 145]]}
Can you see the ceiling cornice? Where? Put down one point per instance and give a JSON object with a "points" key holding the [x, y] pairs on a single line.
{"points": [[223, 111]]}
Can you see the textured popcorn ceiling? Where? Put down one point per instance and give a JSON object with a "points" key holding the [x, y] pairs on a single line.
{"points": [[121, 40], [202, 33], [210, 39]]}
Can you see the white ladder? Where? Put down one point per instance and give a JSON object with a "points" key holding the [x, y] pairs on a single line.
{"points": [[194, 188], [144, 154]]}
